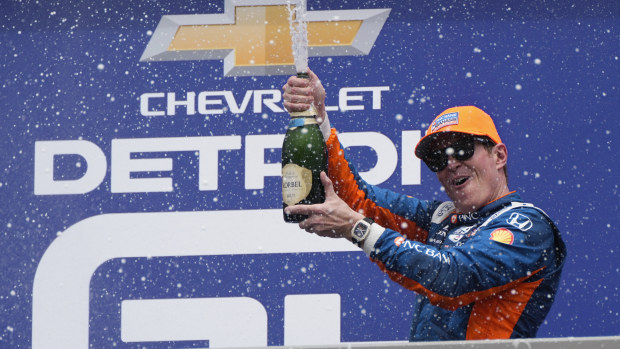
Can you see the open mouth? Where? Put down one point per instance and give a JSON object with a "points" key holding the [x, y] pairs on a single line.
{"points": [[459, 181]]}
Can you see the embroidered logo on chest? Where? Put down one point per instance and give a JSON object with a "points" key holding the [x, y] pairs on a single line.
{"points": [[458, 234]]}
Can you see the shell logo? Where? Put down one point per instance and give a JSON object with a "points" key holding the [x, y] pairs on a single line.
{"points": [[399, 241], [503, 235]]}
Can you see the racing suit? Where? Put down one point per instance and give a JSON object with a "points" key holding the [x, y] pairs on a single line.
{"points": [[490, 274]]}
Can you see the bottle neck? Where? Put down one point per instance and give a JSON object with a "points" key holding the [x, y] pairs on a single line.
{"points": [[309, 113], [302, 121]]}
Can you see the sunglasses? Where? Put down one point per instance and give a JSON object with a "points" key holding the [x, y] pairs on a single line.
{"points": [[461, 150]]}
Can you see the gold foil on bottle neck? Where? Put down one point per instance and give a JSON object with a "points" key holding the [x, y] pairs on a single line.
{"points": [[309, 112]]}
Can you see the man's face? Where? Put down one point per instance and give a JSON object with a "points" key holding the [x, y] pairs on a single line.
{"points": [[474, 182]]}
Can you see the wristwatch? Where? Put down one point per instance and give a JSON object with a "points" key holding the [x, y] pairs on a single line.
{"points": [[360, 230]]}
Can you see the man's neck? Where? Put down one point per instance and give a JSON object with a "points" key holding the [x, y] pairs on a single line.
{"points": [[470, 209]]}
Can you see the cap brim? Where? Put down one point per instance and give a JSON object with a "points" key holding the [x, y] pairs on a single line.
{"points": [[426, 143]]}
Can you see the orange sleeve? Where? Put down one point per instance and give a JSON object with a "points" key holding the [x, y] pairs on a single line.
{"points": [[347, 186]]}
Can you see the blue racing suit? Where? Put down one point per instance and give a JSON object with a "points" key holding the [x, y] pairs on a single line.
{"points": [[490, 274]]}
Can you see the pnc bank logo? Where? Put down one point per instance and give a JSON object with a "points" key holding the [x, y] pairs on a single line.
{"points": [[252, 37]]}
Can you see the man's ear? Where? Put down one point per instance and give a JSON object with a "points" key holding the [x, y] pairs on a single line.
{"points": [[501, 155]]}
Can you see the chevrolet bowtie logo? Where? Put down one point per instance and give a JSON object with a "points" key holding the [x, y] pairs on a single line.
{"points": [[253, 37]]}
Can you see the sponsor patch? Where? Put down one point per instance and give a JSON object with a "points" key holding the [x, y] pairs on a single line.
{"points": [[519, 221], [503, 235], [442, 211], [455, 238], [445, 120], [459, 233], [399, 241]]}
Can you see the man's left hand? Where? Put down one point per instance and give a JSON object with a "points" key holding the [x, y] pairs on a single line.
{"points": [[333, 218]]}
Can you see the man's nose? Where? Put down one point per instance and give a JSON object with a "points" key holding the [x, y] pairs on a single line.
{"points": [[453, 163]]}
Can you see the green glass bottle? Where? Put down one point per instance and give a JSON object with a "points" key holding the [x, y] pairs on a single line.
{"points": [[304, 156]]}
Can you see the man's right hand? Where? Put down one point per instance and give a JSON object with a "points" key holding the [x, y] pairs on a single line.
{"points": [[300, 94]]}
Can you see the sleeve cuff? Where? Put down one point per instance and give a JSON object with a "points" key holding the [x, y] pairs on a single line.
{"points": [[375, 233], [325, 128]]}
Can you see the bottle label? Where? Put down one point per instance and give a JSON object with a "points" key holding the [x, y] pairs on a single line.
{"points": [[296, 183]]}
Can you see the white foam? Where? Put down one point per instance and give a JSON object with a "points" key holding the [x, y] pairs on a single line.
{"points": [[299, 33]]}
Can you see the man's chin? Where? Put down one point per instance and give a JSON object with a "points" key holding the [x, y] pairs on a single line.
{"points": [[463, 205]]}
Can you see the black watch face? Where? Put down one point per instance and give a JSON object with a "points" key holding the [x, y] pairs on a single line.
{"points": [[359, 231]]}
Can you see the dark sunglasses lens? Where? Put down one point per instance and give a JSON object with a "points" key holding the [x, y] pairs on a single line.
{"points": [[463, 149], [460, 150], [436, 161]]}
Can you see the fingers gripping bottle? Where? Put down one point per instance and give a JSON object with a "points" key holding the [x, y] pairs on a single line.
{"points": [[304, 156]]}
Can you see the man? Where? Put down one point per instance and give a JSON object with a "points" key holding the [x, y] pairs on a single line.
{"points": [[486, 263]]}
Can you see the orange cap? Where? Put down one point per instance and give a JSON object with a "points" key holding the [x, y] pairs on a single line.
{"points": [[467, 119]]}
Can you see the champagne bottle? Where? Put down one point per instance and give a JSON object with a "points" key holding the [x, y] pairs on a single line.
{"points": [[304, 156]]}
